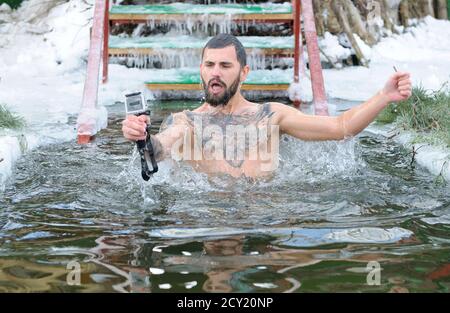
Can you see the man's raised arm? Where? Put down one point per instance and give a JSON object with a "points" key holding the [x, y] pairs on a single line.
{"points": [[310, 127]]}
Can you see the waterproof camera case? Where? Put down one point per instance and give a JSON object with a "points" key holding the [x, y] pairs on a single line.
{"points": [[135, 104]]}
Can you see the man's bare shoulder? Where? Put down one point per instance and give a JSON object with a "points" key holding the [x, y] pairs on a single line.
{"points": [[282, 108], [276, 106], [275, 109]]}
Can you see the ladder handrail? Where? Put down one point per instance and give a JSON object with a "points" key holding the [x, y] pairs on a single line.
{"points": [[315, 67], [87, 122]]}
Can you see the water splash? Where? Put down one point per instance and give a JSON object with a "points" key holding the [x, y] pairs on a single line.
{"points": [[317, 162]]}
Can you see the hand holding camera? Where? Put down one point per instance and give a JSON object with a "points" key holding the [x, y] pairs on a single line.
{"points": [[136, 127]]}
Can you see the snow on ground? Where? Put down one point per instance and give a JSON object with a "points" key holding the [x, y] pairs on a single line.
{"points": [[424, 51], [42, 66], [43, 53], [435, 159]]}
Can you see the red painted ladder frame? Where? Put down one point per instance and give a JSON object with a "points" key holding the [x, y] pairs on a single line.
{"points": [[317, 82], [86, 126]]}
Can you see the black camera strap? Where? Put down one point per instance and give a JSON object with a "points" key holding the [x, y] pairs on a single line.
{"points": [[147, 154]]}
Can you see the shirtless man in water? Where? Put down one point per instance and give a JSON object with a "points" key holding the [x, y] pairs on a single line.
{"points": [[202, 136]]}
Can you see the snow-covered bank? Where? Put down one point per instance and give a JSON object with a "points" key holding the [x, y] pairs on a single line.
{"points": [[435, 159], [424, 51], [14, 145], [43, 49]]}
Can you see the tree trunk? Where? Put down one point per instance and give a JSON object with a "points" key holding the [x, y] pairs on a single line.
{"points": [[404, 13], [362, 7], [386, 16], [426, 7], [331, 22], [318, 17], [415, 9], [441, 9], [357, 23], [338, 9]]}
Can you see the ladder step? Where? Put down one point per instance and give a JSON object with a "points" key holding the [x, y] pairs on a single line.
{"points": [[181, 11], [189, 79], [150, 45]]}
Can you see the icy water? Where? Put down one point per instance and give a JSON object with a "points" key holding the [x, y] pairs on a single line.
{"points": [[330, 210]]}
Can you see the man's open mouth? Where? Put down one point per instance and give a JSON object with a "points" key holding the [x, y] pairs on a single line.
{"points": [[216, 87]]}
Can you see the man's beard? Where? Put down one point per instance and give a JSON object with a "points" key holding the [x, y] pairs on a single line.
{"points": [[216, 100]]}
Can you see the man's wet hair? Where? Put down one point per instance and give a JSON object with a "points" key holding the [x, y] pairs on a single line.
{"points": [[226, 40]]}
